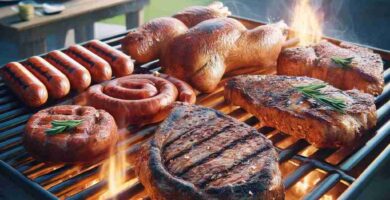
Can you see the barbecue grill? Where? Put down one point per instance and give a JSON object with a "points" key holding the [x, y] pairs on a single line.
{"points": [[308, 172]]}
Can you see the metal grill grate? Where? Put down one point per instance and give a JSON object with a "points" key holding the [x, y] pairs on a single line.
{"points": [[308, 172]]}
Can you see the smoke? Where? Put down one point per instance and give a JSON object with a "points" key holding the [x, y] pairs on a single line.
{"points": [[358, 21]]}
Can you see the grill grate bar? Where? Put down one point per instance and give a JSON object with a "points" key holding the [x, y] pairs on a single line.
{"points": [[60, 179]]}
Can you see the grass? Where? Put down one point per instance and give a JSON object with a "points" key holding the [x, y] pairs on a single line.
{"points": [[158, 8]]}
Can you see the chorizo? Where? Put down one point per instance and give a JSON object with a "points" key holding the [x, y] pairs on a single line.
{"points": [[79, 77], [121, 63], [99, 69], [55, 81], [24, 84]]}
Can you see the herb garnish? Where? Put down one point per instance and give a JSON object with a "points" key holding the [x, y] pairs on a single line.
{"points": [[59, 126], [313, 91], [344, 62]]}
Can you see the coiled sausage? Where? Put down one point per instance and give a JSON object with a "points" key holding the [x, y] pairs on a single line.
{"points": [[55, 81], [100, 70], [121, 63], [24, 84], [90, 141], [138, 99], [79, 77]]}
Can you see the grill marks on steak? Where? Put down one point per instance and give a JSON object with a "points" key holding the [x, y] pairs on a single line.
{"points": [[275, 101], [217, 155], [365, 73]]}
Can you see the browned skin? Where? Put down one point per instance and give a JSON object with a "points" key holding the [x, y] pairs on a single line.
{"points": [[275, 101], [90, 141], [198, 153], [365, 72], [121, 63], [24, 84], [138, 99], [55, 81], [145, 43], [205, 52], [79, 77], [99, 69]]}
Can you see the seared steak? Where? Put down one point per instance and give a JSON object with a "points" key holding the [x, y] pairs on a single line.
{"points": [[276, 101], [200, 153], [364, 73]]}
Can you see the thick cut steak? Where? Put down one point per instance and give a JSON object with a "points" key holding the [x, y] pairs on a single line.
{"points": [[365, 72], [200, 153], [277, 103]]}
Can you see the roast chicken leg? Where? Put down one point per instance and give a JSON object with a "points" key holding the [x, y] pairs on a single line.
{"points": [[205, 52], [144, 44]]}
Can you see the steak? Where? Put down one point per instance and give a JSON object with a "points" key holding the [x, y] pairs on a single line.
{"points": [[364, 73], [200, 153], [276, 101]]}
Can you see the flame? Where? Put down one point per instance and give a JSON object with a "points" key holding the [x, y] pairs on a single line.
{"points": [[114, 171], [305, 24]]}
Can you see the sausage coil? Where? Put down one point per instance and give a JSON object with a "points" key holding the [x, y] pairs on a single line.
{"points": [[121, 63], [138, 99], [78, 76], [55, 81], [24, 84], [100, 70], [90, 141]]}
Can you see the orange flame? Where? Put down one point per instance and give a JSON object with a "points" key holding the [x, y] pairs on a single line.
{"points": [[114, 171], [305, 23]]}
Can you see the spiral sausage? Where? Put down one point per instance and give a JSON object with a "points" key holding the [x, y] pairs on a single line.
{"points": [[24, 84], [55, 81], [78, 76], [100, 70], [121, 63], [90, 141], [138, 99]]}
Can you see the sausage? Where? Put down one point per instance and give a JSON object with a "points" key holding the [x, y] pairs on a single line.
{"points": [[121, 64], [90, 141], [138, 99], [55, 81], [79, 77], [186, 93], [100, 70], [24, 84]]}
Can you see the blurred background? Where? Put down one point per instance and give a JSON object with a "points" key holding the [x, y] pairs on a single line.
{"points": [[360, 21]]}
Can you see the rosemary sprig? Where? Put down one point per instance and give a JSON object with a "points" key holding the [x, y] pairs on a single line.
{"points": [[313, 91], [344, 62], [59, 126]]}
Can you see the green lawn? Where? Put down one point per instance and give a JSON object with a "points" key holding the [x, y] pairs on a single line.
{"points": [[158, 8]]}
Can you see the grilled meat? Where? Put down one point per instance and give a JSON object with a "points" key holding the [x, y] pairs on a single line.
{"points": [[364, 73], [277, 103], [200, 153]]}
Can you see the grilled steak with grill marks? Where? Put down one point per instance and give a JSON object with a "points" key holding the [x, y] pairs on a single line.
{"points": [[277, 103], [364, 73], [200, 153]]}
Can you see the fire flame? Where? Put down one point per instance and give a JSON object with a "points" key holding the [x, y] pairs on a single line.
{"points": [[305, 23], [114, 172]]}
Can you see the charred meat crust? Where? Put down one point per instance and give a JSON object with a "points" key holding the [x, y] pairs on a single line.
{"points": [[276, 103], [161, 183], [365, 72]]}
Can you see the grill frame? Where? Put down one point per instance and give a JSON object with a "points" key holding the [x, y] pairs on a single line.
{"points": [[14, 114]]}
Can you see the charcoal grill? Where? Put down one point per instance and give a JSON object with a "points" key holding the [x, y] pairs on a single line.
{"points": [[308, 172]]}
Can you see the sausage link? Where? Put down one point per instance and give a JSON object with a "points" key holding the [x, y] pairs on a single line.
{"points": [[79, 77], [55, 81], [24, 84], [100, 70], [121, 64], [186, 93]]}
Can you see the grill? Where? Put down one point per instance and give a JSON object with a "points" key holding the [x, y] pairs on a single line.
{"points": [[308, 172]]}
